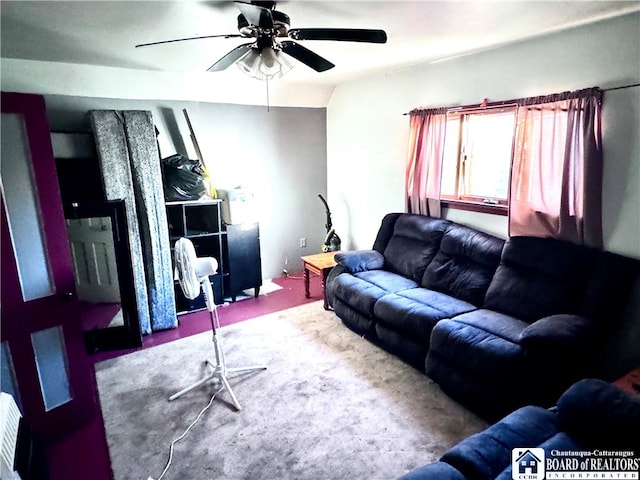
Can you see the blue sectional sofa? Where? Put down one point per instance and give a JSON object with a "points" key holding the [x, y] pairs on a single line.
{"points": [[591, 416], [497, 324]]}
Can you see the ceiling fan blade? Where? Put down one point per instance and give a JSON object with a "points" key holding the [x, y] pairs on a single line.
{"points": [[306, 56], [231, 35], [256, 15], [339, 34], [230, 58]]}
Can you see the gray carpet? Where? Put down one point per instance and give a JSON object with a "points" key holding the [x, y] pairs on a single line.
{"points": [[330, 406]]}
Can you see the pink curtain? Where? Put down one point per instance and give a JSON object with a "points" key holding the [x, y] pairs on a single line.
{"points": [[424, 162], [556, 180]]}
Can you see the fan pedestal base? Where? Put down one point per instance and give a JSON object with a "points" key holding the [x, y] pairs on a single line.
{"points": [[219, 376], [219, 372]]}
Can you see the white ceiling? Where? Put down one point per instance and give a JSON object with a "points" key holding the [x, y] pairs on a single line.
{"points": [[104, 33]]}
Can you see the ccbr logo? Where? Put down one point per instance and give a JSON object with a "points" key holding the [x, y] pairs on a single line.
{"points": [[527, 464]]}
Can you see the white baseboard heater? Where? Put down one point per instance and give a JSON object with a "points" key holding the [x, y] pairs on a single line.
{"points": [[9, 426]]}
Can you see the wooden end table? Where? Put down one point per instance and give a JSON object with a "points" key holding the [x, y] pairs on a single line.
{"points": [[320, 264], [630, 382]]}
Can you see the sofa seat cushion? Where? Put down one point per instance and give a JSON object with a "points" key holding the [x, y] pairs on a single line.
{"points": [[414, 312], [358, 294], [486, 454], [413, 244], [498, 324], [465, 264], [388, 281], [362, 290], [481, 341]]}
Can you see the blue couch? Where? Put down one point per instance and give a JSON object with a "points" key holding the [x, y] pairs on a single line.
{"points": [[590, 415], [496, 324]]}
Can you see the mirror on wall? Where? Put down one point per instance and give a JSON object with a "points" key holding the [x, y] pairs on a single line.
{"points": [[103, 276], [97, 230]]}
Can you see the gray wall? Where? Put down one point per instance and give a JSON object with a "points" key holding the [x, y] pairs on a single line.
{"points": [[278, 154]]}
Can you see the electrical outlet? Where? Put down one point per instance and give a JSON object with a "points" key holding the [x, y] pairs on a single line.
{"points": [[303, 242]]}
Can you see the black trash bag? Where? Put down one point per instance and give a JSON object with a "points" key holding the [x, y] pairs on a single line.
{"points": [[184, 178]]}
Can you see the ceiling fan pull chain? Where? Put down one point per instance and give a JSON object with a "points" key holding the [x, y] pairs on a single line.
{"points": [[267, 83]]}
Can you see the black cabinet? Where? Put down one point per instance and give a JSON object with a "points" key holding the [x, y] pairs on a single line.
{"points": [[243, 247], [200, 222], [235, 247]]}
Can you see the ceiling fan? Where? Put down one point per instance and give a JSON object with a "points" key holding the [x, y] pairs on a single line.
{"points": [[261, 22]]}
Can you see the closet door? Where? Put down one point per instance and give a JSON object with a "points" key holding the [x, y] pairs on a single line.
{"points": [[44, 363]]}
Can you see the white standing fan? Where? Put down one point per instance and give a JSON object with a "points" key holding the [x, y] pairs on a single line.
{"points": [[193, 276]]}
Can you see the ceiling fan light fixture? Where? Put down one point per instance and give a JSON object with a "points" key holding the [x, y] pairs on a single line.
{"points": [[268, 55], [265, 65]]}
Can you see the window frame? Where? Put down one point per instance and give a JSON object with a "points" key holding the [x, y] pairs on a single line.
{"points": [[476, 203]]}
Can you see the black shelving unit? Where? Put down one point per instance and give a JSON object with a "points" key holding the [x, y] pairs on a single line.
{"points": [[200, 222]]}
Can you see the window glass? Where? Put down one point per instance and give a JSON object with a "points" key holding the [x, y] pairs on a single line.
{"points": [[477, 156], [451, 156], [23, 210], [51, 361], [488, 155]]}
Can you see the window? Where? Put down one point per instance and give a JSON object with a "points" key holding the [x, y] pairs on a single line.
{"points": [[477, 158], [537, 160]]}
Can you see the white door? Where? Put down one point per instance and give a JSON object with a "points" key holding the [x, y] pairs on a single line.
{"points": [[94, 259]]}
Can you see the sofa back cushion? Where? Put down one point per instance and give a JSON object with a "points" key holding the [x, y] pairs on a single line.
{"points": [[414, 243], [385, 232], [465, 264], [614, 278], [538, 277], [600, 415]]}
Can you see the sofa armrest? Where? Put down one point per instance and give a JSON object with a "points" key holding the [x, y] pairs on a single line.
{"points": [[330, 286], [601, 415], [558, 331], [360, 260]]}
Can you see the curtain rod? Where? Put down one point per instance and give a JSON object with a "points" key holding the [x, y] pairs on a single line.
{"points": [[508, 102], [620, 88]]}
